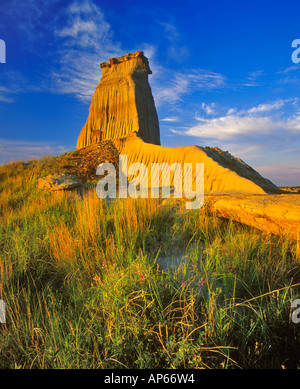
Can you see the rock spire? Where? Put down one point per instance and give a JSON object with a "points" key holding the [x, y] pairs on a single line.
{"points": [[122, 103]]}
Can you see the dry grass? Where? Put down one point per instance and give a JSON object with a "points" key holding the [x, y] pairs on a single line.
{"points": [[83, 289]]}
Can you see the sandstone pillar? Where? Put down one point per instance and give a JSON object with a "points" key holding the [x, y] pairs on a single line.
{"points": [[122, 103]]}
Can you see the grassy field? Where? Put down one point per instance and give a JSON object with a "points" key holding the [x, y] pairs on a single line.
{"points": [[83, 287]]}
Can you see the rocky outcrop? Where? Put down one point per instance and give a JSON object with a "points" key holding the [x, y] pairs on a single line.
{"points": [[59, 182], [83, 162], [277, 214], [122, 103]]}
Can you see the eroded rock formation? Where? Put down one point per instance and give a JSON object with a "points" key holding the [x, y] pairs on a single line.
{"points": [[122, 110], [59, 182], [122, 103], [276, 214], [223, 173]]}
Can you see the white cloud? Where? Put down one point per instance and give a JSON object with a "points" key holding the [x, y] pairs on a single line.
{"points": [[268, 132], [170, 119], [230, 126], [84, 39], [267, 107], [11, 150], [209, 109], [231, 111], [80, 38], [247, 123], [6, 95], [170, 87]]}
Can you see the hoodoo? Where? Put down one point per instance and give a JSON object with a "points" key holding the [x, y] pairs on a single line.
{"points": [[122, 110], [122, 103]]}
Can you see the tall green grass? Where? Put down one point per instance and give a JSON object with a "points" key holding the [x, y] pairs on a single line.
{"points": [[84, 289]]}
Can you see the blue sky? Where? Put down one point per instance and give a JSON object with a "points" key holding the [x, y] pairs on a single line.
{"points": [[222, 74]]}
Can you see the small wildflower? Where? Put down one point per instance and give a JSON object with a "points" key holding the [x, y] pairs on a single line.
{"points": [[202, 282], [96, 278], [142, 277], [183, 285], [103, 263]]}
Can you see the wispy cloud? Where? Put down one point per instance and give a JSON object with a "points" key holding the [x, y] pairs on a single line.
{"points": [[13, 82], [254, 75], [6, 95], [266, 107], [175, 50], [85, 39], [81, 38], [290, 69], [28, 14], [255, 121], [268, 132], [170, 87], [252, 79], [290, 76], [281, 175], [170, 119], [209, 109], [11, 150], [74, 38]]}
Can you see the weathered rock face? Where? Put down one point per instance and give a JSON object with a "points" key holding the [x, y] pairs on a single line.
{"points": [[122, 110], [223, 173], [276, 214], [122, 103], [59, 182]]}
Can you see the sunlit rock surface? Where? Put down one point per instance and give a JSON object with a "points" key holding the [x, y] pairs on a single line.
{"points": [[276, 214], [122, 110], [59, 182], [122, 103], [223, 173]]}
